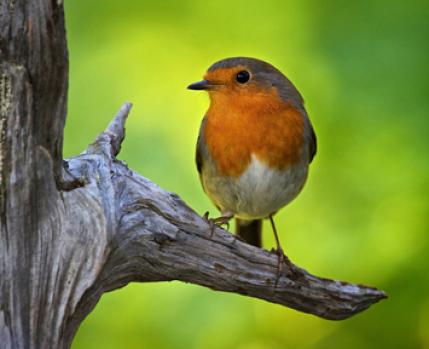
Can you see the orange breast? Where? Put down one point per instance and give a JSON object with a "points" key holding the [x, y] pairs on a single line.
{"points": [[272, 131]]}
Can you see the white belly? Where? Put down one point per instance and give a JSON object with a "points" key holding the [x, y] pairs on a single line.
{"points": [[258, 192]]}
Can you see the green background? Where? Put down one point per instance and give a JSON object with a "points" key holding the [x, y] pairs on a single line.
{"points": [[363, 216]]}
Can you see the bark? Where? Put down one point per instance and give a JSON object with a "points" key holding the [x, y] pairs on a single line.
{"points": [[73, 229]]}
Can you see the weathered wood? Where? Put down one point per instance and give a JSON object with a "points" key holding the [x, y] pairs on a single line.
{"points": [[61, 250]]}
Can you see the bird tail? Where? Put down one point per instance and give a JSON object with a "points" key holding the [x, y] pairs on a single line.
{"points": [[250, 231]]}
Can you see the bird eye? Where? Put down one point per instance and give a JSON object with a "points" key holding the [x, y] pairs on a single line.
{"points": [[242, 77]]}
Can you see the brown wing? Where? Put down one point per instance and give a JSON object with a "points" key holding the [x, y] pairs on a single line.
{"points": [[200, 145], [198, 159], [313, 144]]}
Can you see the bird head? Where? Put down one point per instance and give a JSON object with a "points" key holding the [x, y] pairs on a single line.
{"points": [[242, 82]]}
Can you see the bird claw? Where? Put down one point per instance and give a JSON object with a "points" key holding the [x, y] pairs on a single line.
{"points": [[217, 221], [293, 273], [281, 259]]}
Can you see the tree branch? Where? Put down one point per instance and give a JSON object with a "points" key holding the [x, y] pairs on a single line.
{"points": [[155, 236]]}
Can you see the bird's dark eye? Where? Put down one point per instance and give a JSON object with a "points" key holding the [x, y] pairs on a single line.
{"points": [[242, 77]]}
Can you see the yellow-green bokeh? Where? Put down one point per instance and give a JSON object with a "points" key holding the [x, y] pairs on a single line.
{"points": [[363, 216]]}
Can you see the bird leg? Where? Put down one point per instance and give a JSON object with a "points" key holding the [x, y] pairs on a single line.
{"points": [[279, 252], [223, 219]]}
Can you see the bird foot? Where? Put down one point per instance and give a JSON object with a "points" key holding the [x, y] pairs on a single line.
{"points": [[294, 273], [281, 259], [217, 221]]}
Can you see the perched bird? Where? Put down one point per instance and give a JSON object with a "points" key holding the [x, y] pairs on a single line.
{"points": [[255, 143]]}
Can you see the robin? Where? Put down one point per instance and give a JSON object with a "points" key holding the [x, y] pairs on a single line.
{"points": [[255, 144]]}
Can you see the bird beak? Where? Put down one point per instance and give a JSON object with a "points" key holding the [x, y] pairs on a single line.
{"points": [[203, 85]]}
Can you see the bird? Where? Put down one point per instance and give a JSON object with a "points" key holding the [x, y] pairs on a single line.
{"points": [[255, 144]]}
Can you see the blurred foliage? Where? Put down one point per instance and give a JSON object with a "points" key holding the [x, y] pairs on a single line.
{"points": [[364, 213]]}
